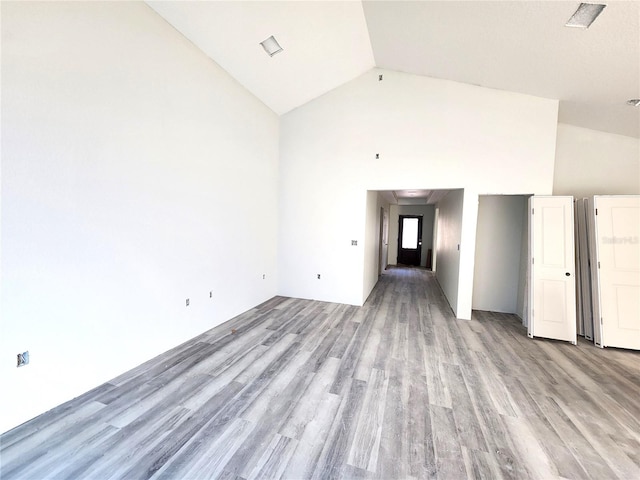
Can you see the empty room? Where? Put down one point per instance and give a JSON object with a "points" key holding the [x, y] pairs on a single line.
{"points": [[320, 239]]}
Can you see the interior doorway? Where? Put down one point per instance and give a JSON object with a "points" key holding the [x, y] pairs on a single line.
{"points": [[427, 214], [434, 242], [383, 209], [409, 240], [384, 241], [500, 268]]}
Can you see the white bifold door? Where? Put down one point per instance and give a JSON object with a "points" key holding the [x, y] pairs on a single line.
{"points": [[552, 309], [615, 269]]}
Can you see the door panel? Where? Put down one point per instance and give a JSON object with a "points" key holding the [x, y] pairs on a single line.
{"points": [[553, 231], [554, 299], [627, 306], [409, 239], [618, 255], [553, 309]]}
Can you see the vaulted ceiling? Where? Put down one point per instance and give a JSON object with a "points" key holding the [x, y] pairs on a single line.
{"points": [[517, 46]]}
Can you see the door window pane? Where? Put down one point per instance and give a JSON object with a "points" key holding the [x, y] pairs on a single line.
{"points": [[409, 233]]}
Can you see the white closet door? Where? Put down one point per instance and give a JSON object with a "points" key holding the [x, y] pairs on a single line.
{"points": [[617, 221], [553, 289]]}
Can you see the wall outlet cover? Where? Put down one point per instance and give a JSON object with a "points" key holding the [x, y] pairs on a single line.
{"points": [[23, 359]]}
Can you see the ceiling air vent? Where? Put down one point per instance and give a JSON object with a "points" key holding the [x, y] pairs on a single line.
{"points": [[271, 46], [585, 15]]}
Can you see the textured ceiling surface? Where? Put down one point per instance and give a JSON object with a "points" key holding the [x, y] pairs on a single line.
{"points": [[517, 46]]}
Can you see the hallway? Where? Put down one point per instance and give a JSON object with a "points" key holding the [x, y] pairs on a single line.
{"points": [[396, 389]]}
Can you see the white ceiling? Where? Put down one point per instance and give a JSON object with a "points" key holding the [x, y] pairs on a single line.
{"points": [[518, 46], [325, 44], [413, 197]]}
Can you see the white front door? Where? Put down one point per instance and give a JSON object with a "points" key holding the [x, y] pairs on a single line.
{"points": [[553, 291], [618, 236]]}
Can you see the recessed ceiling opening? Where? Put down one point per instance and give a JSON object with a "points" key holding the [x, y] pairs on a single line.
{"points": [[413, 196], [585, 15], [271, 46]]}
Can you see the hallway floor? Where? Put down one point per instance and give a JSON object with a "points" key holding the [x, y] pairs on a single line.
{"points": [[396, 389]]}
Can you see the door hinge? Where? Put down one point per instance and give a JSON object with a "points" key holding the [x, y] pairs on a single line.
{"points": [[598, 264], [596, 211], [532, 260], [600, 320], [532, 211]]}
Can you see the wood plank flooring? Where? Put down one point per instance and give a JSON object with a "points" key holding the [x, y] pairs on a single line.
{"points": [[397, 389]]}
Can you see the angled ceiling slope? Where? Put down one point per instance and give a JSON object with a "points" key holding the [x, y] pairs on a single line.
{"points": [[517, 46], [325, 44], [520, 46]]}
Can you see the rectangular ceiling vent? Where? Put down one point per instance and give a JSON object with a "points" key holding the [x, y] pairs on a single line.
{"points": [[271, 46], [585, 15]]}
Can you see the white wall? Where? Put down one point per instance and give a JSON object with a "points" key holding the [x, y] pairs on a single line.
{"points": [[589, 162], [427, 212], [135, 173], [498, 253], [427, 132], [449, 244], [375, 202], [523, 281]]}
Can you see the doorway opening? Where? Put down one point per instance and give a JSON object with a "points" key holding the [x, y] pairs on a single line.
{"points": [[409, 240], [427, 239], [500, 270], [383, 243], [383, 238]]}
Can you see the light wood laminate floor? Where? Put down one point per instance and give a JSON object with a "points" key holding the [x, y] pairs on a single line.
{"points": [[396, 389]]}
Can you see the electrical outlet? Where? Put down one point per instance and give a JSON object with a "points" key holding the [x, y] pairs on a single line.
{"points": [[264, 275], [23, 359], [318, 276], [210, 293], [187, 302], [354, 243]]}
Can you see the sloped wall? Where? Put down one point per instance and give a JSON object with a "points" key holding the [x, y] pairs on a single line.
{"points": [[589, 162], [136, 173]]}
